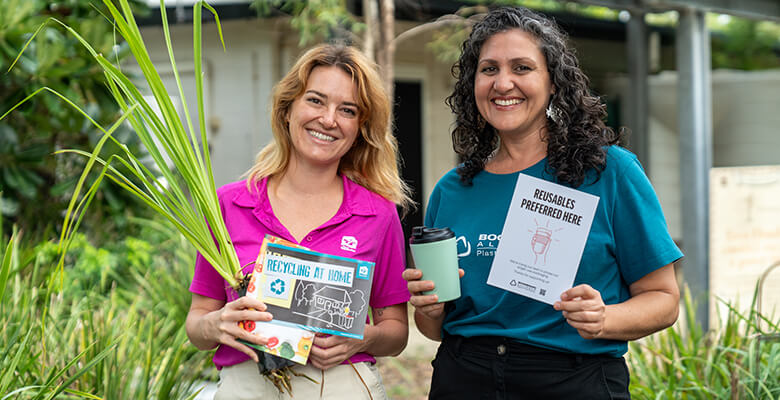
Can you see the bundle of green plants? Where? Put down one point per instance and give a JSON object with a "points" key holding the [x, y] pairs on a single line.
{"points": [[729, 361], [185, 193]]}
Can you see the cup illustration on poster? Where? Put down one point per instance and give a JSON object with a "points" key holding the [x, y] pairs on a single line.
{"points": [[541, 241]]}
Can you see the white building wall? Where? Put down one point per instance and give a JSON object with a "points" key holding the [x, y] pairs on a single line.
{"points": [[746, 117]]}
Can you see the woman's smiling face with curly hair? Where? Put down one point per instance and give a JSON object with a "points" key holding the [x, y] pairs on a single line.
{"points": [[512, 86], [576, 139]]}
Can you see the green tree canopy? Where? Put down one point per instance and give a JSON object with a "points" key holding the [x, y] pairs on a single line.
{"points": [[34, 182]]}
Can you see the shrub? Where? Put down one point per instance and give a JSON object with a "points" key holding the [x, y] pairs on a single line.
{"points": [[728, 362], [123, 341]]}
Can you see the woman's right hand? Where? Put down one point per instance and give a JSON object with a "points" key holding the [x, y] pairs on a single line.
{"points": [[211, 322], [425, 304]]}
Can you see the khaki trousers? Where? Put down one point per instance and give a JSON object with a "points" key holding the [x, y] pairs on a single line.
{"points": [[243, 382]]}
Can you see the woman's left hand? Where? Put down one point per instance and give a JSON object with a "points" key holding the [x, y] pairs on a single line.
{"points": [[330, 351], [583, 309]]}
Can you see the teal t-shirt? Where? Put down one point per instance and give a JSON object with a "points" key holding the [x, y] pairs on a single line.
{"points": [[628, 239]]}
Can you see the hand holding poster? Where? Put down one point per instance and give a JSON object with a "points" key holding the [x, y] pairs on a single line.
{"points": [[544, 236], [308, 292]]}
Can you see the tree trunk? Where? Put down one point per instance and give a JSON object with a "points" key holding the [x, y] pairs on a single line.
{"points": [[370, 36], [386, 48]]}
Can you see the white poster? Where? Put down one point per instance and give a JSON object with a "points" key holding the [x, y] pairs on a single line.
{"points": [[543, 239]]}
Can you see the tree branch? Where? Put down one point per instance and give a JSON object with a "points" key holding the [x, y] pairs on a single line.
{"points": [[444, 20]]}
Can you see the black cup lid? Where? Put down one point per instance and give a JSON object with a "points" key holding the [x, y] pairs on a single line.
{"points": [[422, 234]]}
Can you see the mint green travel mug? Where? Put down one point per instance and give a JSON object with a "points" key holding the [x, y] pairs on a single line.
{"points": [[435, 253]]}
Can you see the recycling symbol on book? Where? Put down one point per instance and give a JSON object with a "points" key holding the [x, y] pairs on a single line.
{"points": [[277, 286]]}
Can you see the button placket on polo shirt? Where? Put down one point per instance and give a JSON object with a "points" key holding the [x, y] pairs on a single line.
{"points": [[265, 216]]}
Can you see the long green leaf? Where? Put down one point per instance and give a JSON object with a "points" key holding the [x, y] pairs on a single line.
{"points": [[62, 387], [10, 370], [198, 49], [23, 389], [83, 394], [203, 246], [10, 260]]}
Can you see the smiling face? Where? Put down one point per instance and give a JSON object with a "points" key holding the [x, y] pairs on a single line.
{"points": [[324, 120], [512, 85]]}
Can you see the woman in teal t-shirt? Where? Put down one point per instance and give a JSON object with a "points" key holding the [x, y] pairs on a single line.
{"points": [[523, 106]]}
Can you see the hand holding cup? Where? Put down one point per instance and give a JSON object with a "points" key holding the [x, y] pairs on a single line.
{"points": [[427, 304], [435, 255]]}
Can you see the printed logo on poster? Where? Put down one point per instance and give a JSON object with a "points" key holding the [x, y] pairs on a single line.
{"points": [[277, 288], [364, 272]]}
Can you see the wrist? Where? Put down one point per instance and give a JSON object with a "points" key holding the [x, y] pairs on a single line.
{"points": [[209, 331], [606, 332], [439, 319], [429, 327], [197, 331]]}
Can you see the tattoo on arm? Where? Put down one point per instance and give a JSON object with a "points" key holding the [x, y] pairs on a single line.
{"points": [[380, 311]]}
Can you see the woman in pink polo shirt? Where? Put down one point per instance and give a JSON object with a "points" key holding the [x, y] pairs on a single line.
{"points": [[329, 181]]}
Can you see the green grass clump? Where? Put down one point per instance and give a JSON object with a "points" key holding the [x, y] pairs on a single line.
{"points": [[126, 341], [732, 361]]}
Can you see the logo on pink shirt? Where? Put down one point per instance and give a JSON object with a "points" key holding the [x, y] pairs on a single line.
{"points": [[349, 243]]}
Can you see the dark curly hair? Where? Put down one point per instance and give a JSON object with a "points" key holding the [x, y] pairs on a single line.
{"points": [[577, 138]]}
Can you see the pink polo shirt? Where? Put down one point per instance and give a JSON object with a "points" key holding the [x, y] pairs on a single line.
{"points": [[369, 218]]}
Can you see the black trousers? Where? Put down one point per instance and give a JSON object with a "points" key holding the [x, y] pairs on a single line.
{"points": [[498, 368]]}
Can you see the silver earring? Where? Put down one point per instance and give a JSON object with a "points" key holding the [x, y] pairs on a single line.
{"points": [[553, 113]]}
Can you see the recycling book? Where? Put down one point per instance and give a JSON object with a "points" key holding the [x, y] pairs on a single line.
{"points": [[307, 292]]}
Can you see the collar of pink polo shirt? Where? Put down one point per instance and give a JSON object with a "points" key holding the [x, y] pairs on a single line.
{"points": [[357, 201]]}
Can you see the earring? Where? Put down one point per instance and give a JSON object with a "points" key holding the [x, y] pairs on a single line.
{"points": [[553, 113]]}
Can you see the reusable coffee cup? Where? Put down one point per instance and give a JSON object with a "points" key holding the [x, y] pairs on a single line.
{"points": [[435, 253]]}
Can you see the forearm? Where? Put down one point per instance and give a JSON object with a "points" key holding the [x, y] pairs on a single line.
{"points": [[195, 326], [429, 327], [386, 338], [640, 315]]}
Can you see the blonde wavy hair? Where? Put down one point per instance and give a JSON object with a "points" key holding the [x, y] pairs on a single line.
{"points": [[372, 162]]}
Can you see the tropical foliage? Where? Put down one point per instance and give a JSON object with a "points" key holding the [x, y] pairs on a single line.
{"points": [[746, 45], [29, 172], [180, 185]]}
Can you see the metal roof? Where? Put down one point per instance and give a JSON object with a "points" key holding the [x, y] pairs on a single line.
{"points": [[753, 9]]}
